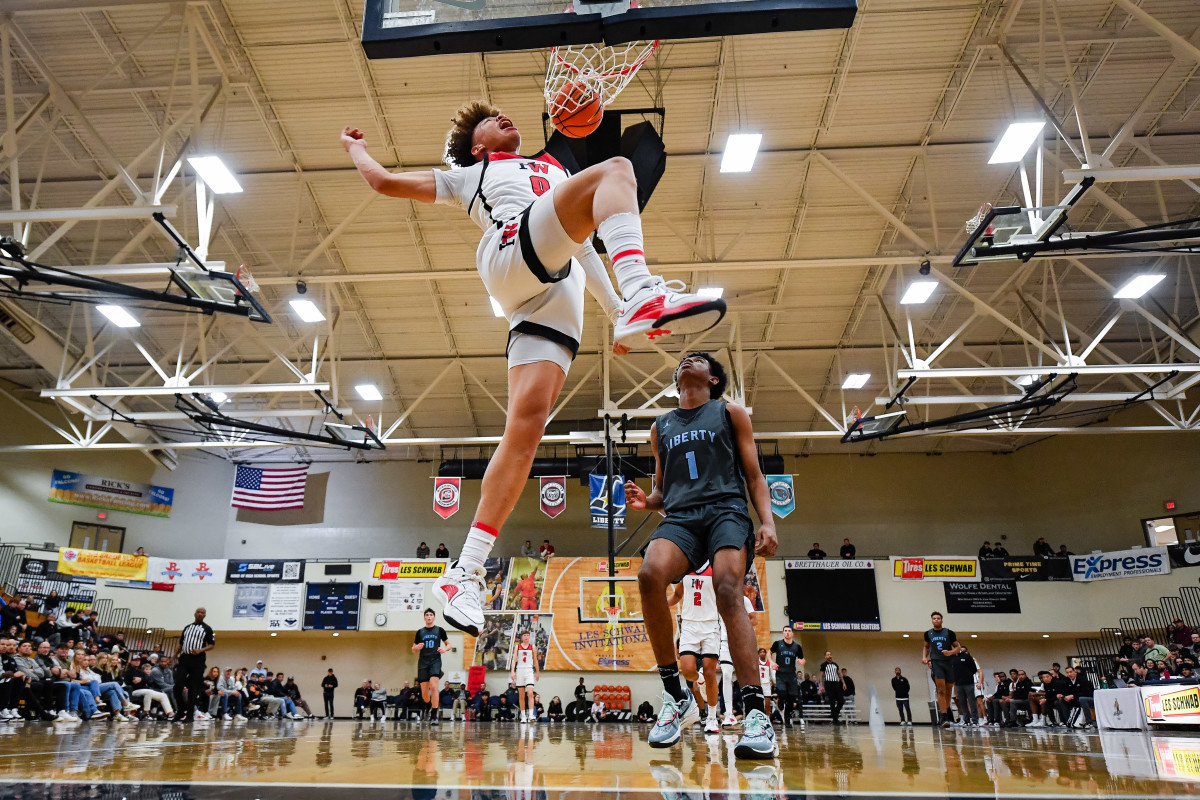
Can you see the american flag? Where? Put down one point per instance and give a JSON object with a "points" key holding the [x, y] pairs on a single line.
{"points": [[269, 489]]}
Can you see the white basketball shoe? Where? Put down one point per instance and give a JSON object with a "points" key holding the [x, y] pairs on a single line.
{"points": [[664, 308], [461, 593]]}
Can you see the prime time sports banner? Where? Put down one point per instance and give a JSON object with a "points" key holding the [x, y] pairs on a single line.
{"points": [[1120, 564], [93, 491], [1025, 568]]}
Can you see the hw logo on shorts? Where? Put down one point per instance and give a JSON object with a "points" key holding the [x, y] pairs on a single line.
{"points": [[509, 236]]}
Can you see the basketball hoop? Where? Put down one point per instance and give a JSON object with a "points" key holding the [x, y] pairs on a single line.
{"points": [[974, 222], [854, 416], [603, 70], [246, 279]]}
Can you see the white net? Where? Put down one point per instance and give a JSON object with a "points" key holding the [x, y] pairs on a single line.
{"points": [[974, 221], [246, 279], [601, 72]]}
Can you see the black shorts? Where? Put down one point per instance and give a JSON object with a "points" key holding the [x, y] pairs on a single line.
{"points": [[429, 669], [789, 689], [700, 532], [942, 670]]}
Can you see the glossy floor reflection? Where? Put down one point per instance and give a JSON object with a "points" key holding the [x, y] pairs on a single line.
{"points": [[296, 760]]}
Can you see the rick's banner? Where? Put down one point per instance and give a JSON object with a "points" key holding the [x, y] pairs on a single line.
{"points": [[783, 494], [93, 491], [101, 564]]}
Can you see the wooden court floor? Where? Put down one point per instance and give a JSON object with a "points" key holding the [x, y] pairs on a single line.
{"points": [[293, 760]]}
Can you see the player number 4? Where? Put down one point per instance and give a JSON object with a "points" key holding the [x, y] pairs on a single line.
{"points": [[691, 459]]}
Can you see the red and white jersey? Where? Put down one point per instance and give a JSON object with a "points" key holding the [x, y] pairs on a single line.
{"points": [[765, 668], [699, 603], [498, 188], [524, 656]]}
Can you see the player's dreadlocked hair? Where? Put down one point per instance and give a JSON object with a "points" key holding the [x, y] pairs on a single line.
{"points": [[715, 367], [458, 138]]}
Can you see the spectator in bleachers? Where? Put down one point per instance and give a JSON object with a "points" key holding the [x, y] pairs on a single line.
{"points": [[1179, 633], [504, 710], [1041, 702], [999, 551], [848, 682], [145, 689], [41, 682], [1126, 654], [230, 687], [47, 630], [378, 693], [459, 707], [809, 691], [422, 550], [546, 551], [258, 671], [13, 615], [1154, 651], [1042, 548], [986, 550], [1075, 702], [403, 700], [1018, 698], [442, 551], [539, 710], [816, 553], [848, 550], [293, 693], [1063, 552], [483, 706], [555, 712], [15, 686], [528, 550], [94, 688]]}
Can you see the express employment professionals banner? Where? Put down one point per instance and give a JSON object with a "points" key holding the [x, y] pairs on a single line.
{"points": [[935, 568], [101, 564], [982, 597], [1120, 564], [185, 570], [1025, 568], [260, 571], [93, 491]]}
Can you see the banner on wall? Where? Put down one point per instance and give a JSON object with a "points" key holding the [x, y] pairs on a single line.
{"points": [[1172, 705], [598, 505], [935, 568], [185, 570], [391, 569], [982, 597], [406, 595], [782, 493], [269, 571], [147, 585], [1121, 564], [1025, 568], [1184, 555], [101, 564], [446, 493], [829, 563], [285, 606], [552, 495], [93, 491], [250, 600]]}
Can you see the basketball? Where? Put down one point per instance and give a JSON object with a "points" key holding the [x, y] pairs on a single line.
{"points": [[576, 110]]}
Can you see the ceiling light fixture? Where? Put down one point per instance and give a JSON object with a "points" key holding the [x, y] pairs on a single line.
{"points": [[1015, 142], [335, 633], [119, 316], [710, 291], [1137, 286], [740, 151], [1045, 636], [307, 310], [368, 391], [856, 380], [918, 292], [496, 309], [219, 397], [215, 174], [1026, 380]]}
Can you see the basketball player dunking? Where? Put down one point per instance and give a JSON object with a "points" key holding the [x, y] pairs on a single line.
{"points": [[537, 222], [525, 673], [705, 460], [699, 638]]}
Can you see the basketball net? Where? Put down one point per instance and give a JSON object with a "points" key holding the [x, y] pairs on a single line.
{"points": [[974, 222], [246, 279], [604, 71]]}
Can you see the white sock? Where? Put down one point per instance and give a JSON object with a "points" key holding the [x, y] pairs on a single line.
{"points": [[478, 546], [622, 236], [599, 285], [727, 689]]}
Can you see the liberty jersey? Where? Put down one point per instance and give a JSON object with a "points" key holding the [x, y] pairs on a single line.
{"points": [[430, 639], [699, 599], [699, 457], [500, 187], [787, 656]]}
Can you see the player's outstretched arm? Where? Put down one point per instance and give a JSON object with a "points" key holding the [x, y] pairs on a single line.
{"points": [[418, 186], [765, 542]]}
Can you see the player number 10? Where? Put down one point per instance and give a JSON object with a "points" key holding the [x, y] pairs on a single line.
{"points": [[691, 459]]}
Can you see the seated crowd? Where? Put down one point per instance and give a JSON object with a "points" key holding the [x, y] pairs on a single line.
{"points": [[1142, 659]]}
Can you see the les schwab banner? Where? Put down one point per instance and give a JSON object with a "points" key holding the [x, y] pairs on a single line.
{"points": [[935, 568], [1172, 705], [394, 569]]}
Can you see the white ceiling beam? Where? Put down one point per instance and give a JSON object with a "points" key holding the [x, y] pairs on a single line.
{"points": [[1126, 174], [997, 399], [1178, 43], [261, 413], [82, 214], [167, 391], [1046, 369]]}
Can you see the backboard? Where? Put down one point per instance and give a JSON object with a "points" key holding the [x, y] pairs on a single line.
{"points": [[875, 427], [1011, 233], [222, 289], [408, 28]]}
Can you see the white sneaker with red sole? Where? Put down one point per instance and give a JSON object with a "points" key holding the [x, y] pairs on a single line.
{"points": [[663, 308], [461, 594]]}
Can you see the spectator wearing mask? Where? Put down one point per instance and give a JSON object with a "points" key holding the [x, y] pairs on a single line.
{"points": [[848, 550], [528, 550], [986, 550], [1075, 700], [546, 550], [964, 669], [816, 553], [328, 684], [902, 688], [555, 712], [1042, 548], [422, 550], [442, 551]]}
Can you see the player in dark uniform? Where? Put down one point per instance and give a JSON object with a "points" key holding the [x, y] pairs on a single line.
{"points": [[430, 642], [788, 653], [705, 463], [941, 644]]}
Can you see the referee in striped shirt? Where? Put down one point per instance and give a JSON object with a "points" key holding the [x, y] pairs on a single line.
{"points": [[196, 640], [834, 686]]}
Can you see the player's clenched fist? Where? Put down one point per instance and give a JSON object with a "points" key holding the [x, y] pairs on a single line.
{"points": [[634, 496], [350, 136]]}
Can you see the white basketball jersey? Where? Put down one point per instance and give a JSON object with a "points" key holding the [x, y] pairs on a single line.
{"points": [[764, 673], [525, 657], [499, 188], [699, 602]]}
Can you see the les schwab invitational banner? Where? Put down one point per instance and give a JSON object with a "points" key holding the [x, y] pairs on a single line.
{"points": [[93, 491], [562, 602]]}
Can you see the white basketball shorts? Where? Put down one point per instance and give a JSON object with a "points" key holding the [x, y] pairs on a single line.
{"points": [[700, 639], [525, 677]]}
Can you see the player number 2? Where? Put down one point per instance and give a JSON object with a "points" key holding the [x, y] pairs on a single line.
{"points": [[696, 601], [691, 459]]}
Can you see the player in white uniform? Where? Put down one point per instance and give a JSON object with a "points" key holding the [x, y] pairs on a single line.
{"points": [[699, 638], [525, 673], [766, 672], [727, 672], [535, 257]]}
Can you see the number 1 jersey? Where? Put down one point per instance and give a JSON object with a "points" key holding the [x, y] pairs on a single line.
{"points": [[698, 453]]}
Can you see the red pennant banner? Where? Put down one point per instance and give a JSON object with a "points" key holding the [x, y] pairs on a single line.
{"points": [[552, 497], [445, 496]]}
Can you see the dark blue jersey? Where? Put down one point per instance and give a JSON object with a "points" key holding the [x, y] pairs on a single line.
{"points": [[787, 656], [697, 450], [431, 639], [939, 641]]}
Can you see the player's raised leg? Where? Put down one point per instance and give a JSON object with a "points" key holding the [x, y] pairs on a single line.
{"points": [[603, 198], [532, 391], [663, 565]]}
